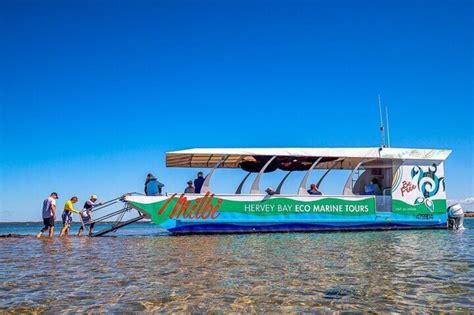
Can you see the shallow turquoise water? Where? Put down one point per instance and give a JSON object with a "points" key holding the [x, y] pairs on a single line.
{"points": [[142, 269]]}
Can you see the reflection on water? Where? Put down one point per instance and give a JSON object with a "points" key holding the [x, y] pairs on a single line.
{"points": [[392, 271]]}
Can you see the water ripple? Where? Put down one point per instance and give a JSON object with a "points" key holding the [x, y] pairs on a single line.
{"points": [[392, 271]]}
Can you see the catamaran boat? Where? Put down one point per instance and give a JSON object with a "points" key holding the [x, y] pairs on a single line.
{"points": [[388, 188]]}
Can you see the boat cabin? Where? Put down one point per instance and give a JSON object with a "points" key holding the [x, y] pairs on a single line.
{"points": [[378, 168]]}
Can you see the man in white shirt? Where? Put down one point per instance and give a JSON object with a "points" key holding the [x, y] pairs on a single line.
{"points": [[86, 215], [49, 215]]}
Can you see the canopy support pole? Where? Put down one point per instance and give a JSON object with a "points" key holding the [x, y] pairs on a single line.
{"points": [[327, 172], [278, 190], [347, 191], [302, 188], [255, 190], [205, 186], [241, 185]]}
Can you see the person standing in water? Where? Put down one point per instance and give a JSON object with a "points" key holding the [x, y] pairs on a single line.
{"points": [[49, 215], [86, 215], [67, 215]]}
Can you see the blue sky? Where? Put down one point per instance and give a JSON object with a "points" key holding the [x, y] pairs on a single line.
{"points": [[93, 93]]}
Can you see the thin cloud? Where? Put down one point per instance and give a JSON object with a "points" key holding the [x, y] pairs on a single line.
{"points": [[466, 203]]}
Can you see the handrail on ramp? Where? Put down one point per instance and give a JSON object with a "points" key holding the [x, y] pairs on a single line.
{"points": [[117, 214]]}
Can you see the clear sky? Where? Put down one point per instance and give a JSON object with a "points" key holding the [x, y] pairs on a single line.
{"points": [[93, 93]]}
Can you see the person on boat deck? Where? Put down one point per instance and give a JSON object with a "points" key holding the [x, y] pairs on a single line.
{"points": [[86, 214], [67, 215], [372, 188], [198, 182], [49, 215], [270, 191], [152, 185], [313, 190], [190, 189]]}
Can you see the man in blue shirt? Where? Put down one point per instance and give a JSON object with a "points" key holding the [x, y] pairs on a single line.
{"points": [[152, 186], [198, 183], [372, 188]]}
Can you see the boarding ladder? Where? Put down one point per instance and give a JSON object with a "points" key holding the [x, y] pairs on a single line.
{"points": [[116, 210]]}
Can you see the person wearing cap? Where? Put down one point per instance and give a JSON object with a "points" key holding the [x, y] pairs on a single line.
{"points": [[190, 189], [152, 185], [198, 182], [67, 215], [49, 215], [313, 190], [86, 215]]}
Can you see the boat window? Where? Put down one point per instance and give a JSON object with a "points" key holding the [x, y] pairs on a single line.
{"points": [[379, 175]]}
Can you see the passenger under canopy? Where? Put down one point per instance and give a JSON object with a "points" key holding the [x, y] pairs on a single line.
{"points": [[294, 159], [284, 163], [376, 163]]}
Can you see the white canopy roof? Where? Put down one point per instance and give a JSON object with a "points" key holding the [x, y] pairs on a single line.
{"points": [[235, 156]]}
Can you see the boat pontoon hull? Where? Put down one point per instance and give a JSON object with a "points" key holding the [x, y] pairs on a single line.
{"points": [[209, 213]]}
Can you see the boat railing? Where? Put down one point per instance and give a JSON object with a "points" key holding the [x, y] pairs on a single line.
{"points": [[113, 201]]}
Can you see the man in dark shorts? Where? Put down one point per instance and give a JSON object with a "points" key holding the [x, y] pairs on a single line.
{"points": [[49, 215]]}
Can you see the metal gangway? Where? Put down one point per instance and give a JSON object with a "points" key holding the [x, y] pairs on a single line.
{"points": [[117, 208]]}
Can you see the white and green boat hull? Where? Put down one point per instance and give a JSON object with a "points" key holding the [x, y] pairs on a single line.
{"points": [[211, 213]]}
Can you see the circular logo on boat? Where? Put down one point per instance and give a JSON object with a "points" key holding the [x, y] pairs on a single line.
{"points": [[428, 183]]}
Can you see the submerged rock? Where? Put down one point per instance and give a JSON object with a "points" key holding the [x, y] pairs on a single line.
{"points": [[11, 235], [338, 292]]}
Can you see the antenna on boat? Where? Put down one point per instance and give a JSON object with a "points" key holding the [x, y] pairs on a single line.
{"points": [[388, 128], [382, 129]]}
